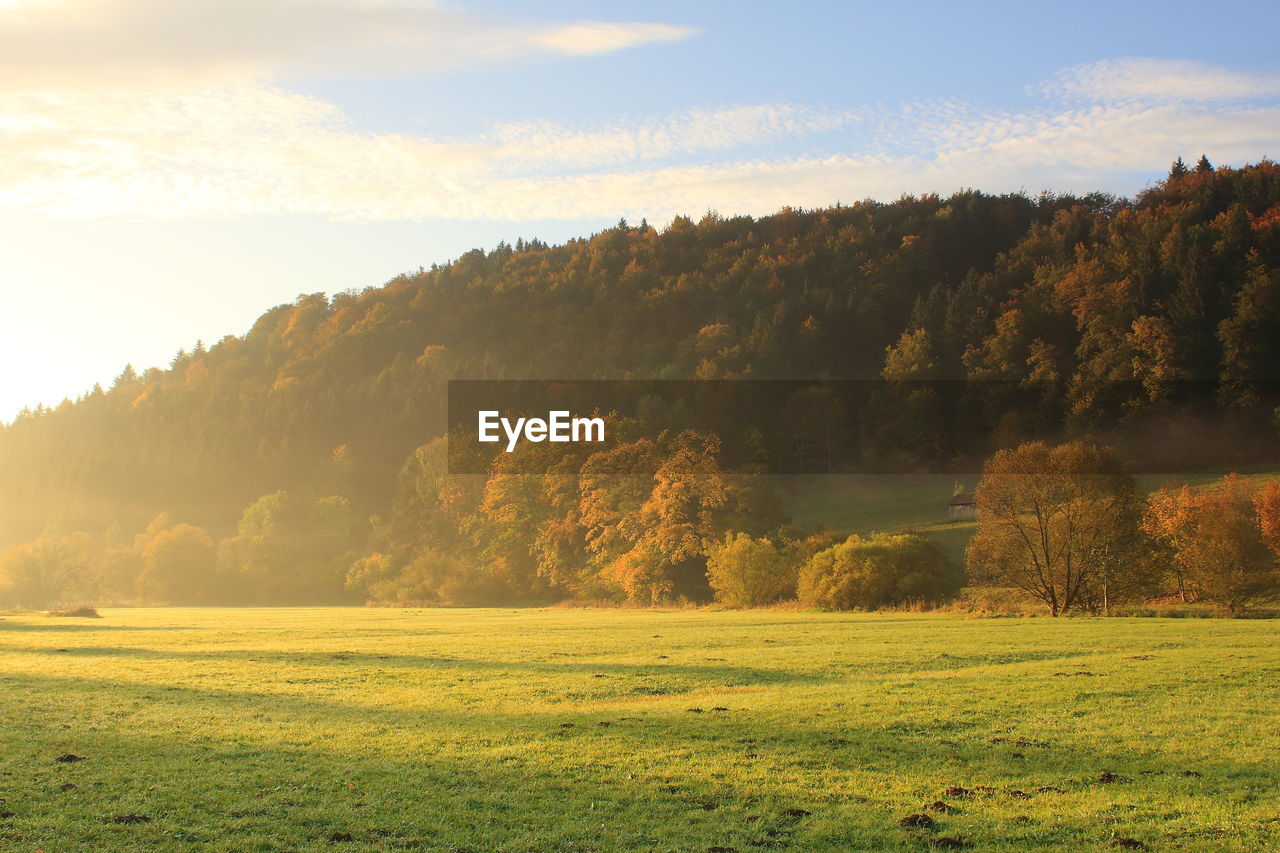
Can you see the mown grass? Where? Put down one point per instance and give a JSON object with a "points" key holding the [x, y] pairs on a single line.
{"points": [[562, 730]]}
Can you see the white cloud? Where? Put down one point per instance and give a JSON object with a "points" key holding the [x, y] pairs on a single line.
{"points": [[689, 133], [1160, 81], [257, 149], [592, 38], [99, 44]]}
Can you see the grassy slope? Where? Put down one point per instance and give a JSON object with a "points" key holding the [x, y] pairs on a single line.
{"points": [[868, 503], [918, 502], [444, 730]]}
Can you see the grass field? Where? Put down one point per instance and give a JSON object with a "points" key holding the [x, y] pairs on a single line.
{"points": [[559, 730], [871, 503]]}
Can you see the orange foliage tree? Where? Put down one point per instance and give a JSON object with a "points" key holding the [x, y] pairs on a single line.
{"points": [[1222, 539]]}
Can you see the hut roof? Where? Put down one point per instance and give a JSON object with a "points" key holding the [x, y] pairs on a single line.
{"points": [[962, 499]]}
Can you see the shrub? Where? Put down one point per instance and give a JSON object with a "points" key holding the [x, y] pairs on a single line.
{"points": [[749, 572], [991, 601], [881, 570], [83, 611]]}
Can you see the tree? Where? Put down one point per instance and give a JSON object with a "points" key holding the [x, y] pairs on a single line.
{"points": [[1267, 503], [290, 549], [749, 572], [649, 513], [819, 427], [910, 358], [1221, 538], [879, 571], [178, 564], [1060, 523], [1250, 336], [37, 574]]}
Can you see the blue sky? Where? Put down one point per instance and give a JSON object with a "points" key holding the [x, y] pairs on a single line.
{"points": [[169, 170]]}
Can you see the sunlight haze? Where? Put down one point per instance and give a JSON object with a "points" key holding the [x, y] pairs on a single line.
{"points": [[170, 171]]}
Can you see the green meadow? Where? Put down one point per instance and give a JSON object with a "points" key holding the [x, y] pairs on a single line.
{"points": [[564, 730], [871, 503]]}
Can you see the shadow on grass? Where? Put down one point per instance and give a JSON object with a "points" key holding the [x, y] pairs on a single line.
{"points": [[224, 772], [57, 625], [736, 674]]}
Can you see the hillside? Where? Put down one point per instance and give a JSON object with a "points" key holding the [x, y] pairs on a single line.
{"points": [[1109, 310]]}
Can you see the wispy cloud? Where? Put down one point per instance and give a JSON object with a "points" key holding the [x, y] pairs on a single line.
{"points": [[693, 132], [255, 148], [1160, 81], [99, 44], [593, 38]]}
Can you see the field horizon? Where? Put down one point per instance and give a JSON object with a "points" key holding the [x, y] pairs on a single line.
{"points": [[542, 729]]}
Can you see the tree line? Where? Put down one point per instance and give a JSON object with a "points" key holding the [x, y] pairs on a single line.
{"points": [[656, 521], [1104, 313]]}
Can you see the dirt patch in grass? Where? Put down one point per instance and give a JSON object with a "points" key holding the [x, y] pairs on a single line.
{"points": [[917, 821]]}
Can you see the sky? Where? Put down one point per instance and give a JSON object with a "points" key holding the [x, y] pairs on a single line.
{"points": [[171, 169]]}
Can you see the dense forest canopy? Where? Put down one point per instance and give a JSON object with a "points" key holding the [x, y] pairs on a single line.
{"points": [[317, 417]]}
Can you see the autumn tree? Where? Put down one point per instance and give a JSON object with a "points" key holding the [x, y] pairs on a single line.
{"points": [[178, 564], [649, 513], [1060, 523], [1267, 504], [37, 574], [1221, 538]]}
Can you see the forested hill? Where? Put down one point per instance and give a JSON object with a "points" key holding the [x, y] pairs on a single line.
{"points": [[332, 396]]}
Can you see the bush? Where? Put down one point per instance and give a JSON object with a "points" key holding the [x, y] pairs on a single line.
{"points": [[993, 602], [880, 571], [749, 572], [83, 611]]}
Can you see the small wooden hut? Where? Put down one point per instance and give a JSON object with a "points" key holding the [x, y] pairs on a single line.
{"points": [[961, 507]]}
